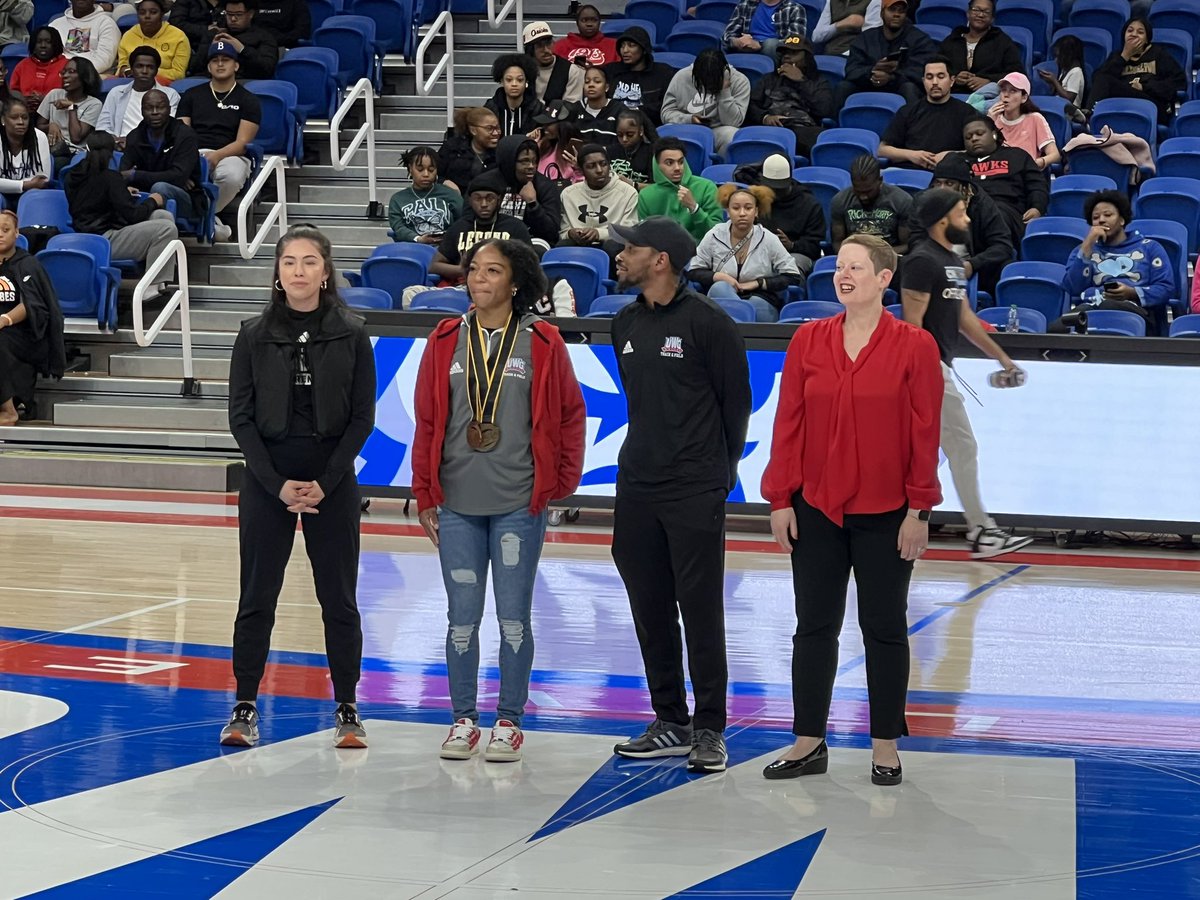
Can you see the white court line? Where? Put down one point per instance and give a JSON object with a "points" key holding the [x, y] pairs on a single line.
{"points": [[128, 615]]}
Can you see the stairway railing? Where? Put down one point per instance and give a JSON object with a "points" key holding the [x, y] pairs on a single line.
{"points": [[272, 165], [366, 132], [496, 18], [179, 300], [442, 25]]}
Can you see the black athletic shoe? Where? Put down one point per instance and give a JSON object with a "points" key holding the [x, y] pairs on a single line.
{"points": [[348, 731], [660, 739], [242, 730], [708, 751]]}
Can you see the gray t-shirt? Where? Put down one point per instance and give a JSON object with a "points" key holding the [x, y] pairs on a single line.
{"points": [[891, 210], [499, 482], [88, 111]]}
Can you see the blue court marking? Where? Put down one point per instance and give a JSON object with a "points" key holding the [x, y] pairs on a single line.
{"points": [[947, 607], [776, 874]]}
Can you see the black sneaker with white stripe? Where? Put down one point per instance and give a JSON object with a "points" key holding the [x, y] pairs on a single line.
{"points": [[660, 739]]}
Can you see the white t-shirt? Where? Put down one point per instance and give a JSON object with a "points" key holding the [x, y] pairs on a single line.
{"points": [[133, 112], [1073, 83]]}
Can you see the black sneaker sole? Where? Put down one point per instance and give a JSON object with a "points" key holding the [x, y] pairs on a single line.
{"points": [[706, 770], [681, 750]]}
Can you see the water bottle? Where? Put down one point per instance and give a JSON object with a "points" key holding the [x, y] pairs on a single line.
{"points": [[1014, 320]]}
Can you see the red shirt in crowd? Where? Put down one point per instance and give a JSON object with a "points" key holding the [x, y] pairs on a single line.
{"points": [[33, 79], [862, 436], [599, 51]]}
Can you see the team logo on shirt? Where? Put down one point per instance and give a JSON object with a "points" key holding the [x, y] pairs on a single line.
{"points": [[515, 368], [8, 290], [628, 348], [957, 290], [673, 347]]}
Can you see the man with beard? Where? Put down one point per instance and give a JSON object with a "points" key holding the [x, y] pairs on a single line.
{"points": [[925, 130], [935, 298], [557, 78]]}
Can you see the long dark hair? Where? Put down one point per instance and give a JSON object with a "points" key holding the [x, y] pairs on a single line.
{"points": [[328, 298], [56, 43], [89, 78], [29, 145], [100, 147], [708, 71], [527, 275]]}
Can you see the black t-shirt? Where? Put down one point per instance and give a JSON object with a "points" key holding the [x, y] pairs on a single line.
{"points": [[469, 231], [922, 125], [216, 121], [302, 326], [934, 269]]}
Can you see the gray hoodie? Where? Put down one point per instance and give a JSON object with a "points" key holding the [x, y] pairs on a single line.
{"points": [[729, 107]]}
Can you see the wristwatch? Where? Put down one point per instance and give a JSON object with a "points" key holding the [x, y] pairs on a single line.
{"points": [[921, 515]]}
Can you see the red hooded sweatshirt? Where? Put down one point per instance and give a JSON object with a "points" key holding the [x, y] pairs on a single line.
{"points": [[599, 51]]}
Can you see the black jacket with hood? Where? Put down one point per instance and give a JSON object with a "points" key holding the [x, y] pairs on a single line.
{"points": [[795, 212], [518, 121], [640, 89], [43, 315], [458, 162], [544, 215], [805, 102], [995, 56]]}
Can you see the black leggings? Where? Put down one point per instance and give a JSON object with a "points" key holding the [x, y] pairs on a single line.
{"points": [[266, 532], [20, 353], [822, 558]]}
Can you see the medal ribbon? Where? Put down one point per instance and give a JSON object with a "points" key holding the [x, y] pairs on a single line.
{"points": [[483, 404]]}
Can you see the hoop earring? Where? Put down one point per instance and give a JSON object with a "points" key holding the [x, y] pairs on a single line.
{"points": [[278, 286]]}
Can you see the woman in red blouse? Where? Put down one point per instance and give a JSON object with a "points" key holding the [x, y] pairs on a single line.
{"points": [[851, 481]]}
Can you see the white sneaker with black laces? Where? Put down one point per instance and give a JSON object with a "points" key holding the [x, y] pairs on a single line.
{"points": [[505, 743], [348, 731], [462, 742], [242, 730], [987, 543]]}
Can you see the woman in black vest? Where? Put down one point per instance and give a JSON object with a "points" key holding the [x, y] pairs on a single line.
{"points": [[301, 406]]}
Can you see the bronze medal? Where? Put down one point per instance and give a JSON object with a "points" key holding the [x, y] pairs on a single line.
{"points": [[485, 377]]}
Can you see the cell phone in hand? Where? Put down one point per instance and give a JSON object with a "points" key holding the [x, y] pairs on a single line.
{"points": [[894, 56]]}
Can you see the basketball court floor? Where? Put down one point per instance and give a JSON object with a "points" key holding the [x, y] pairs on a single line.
{"points": [[1054, 709]]}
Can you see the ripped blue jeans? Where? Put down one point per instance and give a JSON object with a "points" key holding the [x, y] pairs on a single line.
{"points": [[511, 544]]}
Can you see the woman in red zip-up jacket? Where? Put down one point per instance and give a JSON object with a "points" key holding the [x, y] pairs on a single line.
{"points": [[851, 482], [499, 434]]}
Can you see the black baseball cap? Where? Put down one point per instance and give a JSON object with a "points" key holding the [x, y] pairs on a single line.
{"points": [[660, 233]]}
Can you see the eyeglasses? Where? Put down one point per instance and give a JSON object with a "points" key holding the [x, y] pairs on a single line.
{"points": [[491, 129], [980, 10]]}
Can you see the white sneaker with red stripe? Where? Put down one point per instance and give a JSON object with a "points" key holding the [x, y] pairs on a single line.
{"points": [[462, 742], [505, 744]]}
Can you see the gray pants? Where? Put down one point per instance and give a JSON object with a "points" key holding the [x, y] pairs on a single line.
{"points": [[722, 135], [229, 176], [962, 452], [145, 240]]}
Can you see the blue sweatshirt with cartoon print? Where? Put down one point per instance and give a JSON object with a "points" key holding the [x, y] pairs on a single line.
{"points": [[1137, 261]]}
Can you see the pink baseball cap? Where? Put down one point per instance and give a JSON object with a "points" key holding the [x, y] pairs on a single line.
{"points": [[1017, 80]]}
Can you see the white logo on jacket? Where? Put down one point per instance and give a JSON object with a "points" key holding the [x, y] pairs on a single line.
{"points": [[673, 347]]}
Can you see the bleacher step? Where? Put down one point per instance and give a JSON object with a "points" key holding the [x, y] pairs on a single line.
{"points": [[101, 469], [44, 434], [147, 365], [166, 386], [144, 414]]}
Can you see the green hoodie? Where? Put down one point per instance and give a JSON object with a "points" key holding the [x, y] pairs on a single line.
{"points": [[662, 199]]}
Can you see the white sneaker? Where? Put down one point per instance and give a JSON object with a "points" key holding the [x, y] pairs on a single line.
{"points": [[505, 743], [462, 742], [221, 231], [987, 543]]}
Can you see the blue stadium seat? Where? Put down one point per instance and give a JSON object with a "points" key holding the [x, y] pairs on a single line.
{"points": [[812, 11], [1187, 120], [422, 253], [45, 207], [443, 300], [753, 65], [824, 182], [353, 37], [395, 26], [1033, 285], [808, 310], [108, 277], [43, 12], [1128, 114], [947, 13], [699, 142], [912, 180], [719, 173], [1068, 193], [1116, 322], [897, 310], [1097, 44], [832, 67], [83, 285], [366, 298], [183, 85], [1181, 45], [312, 70], [1023, 38], [1173, 237], [12, 54], [281, 131], [936, 33], [1052, 238], [869, 110], [614, 26], [674, 60], [1107, 15], [392, 274], [584, 268], [1054, 110], [715, 11], [663, 13], [1029, 321], [820, 280], [692, 37], [320, 10], [1176, 199], [609, 305], [755, 143], [739, 310], [1095, 162], [1036, 15], [838, 147], [1186, 326], [1179, 157], [107, 84], [1183, 15]]}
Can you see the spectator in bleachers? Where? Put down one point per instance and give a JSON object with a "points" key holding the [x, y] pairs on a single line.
{"points": [[515, 102], [1115, 267], [1022, 123], [635, 79], [870, 206], [678, 194], [709, 92], [69, 114], [529, 196], [1141, 69], [289, 21], [40, 72], [795, 96], [989, 246], [257, 49], [198, 19], [841, 21], [924, 131], [88, 32], [589, 42], [423, 212], [31, 322], [1067, 80], [469, 148], [101, 203], [980, 53], [557, 79], [889, 58], [162, 156], [757, 26], [598, 202], [122, 111], [558, 144], [633, 156], [25, 163], [1006, 174], [225, 117], [481, 221], [15, 16], [740, 258], [151, 31], [795, 216], [596, 116]]}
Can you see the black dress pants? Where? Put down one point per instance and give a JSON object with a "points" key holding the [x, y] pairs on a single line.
{"points": [[671, 556], [20, 352], [823, 557], [266, 533]]}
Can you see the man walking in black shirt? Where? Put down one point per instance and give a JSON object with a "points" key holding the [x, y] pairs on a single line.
{"points": [[687, 384], [935, 298]]}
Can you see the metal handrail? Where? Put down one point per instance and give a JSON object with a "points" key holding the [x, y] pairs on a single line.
{"points": [[179, 300], [496, 19], [445, 64], [272, 165], [341, 161]]}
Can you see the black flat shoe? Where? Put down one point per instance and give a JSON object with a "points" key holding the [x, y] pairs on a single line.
{"points": [[815, 763], [886, 774]]}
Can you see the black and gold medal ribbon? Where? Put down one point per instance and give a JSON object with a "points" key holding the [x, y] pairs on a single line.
{"points": [[485, 378]]}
